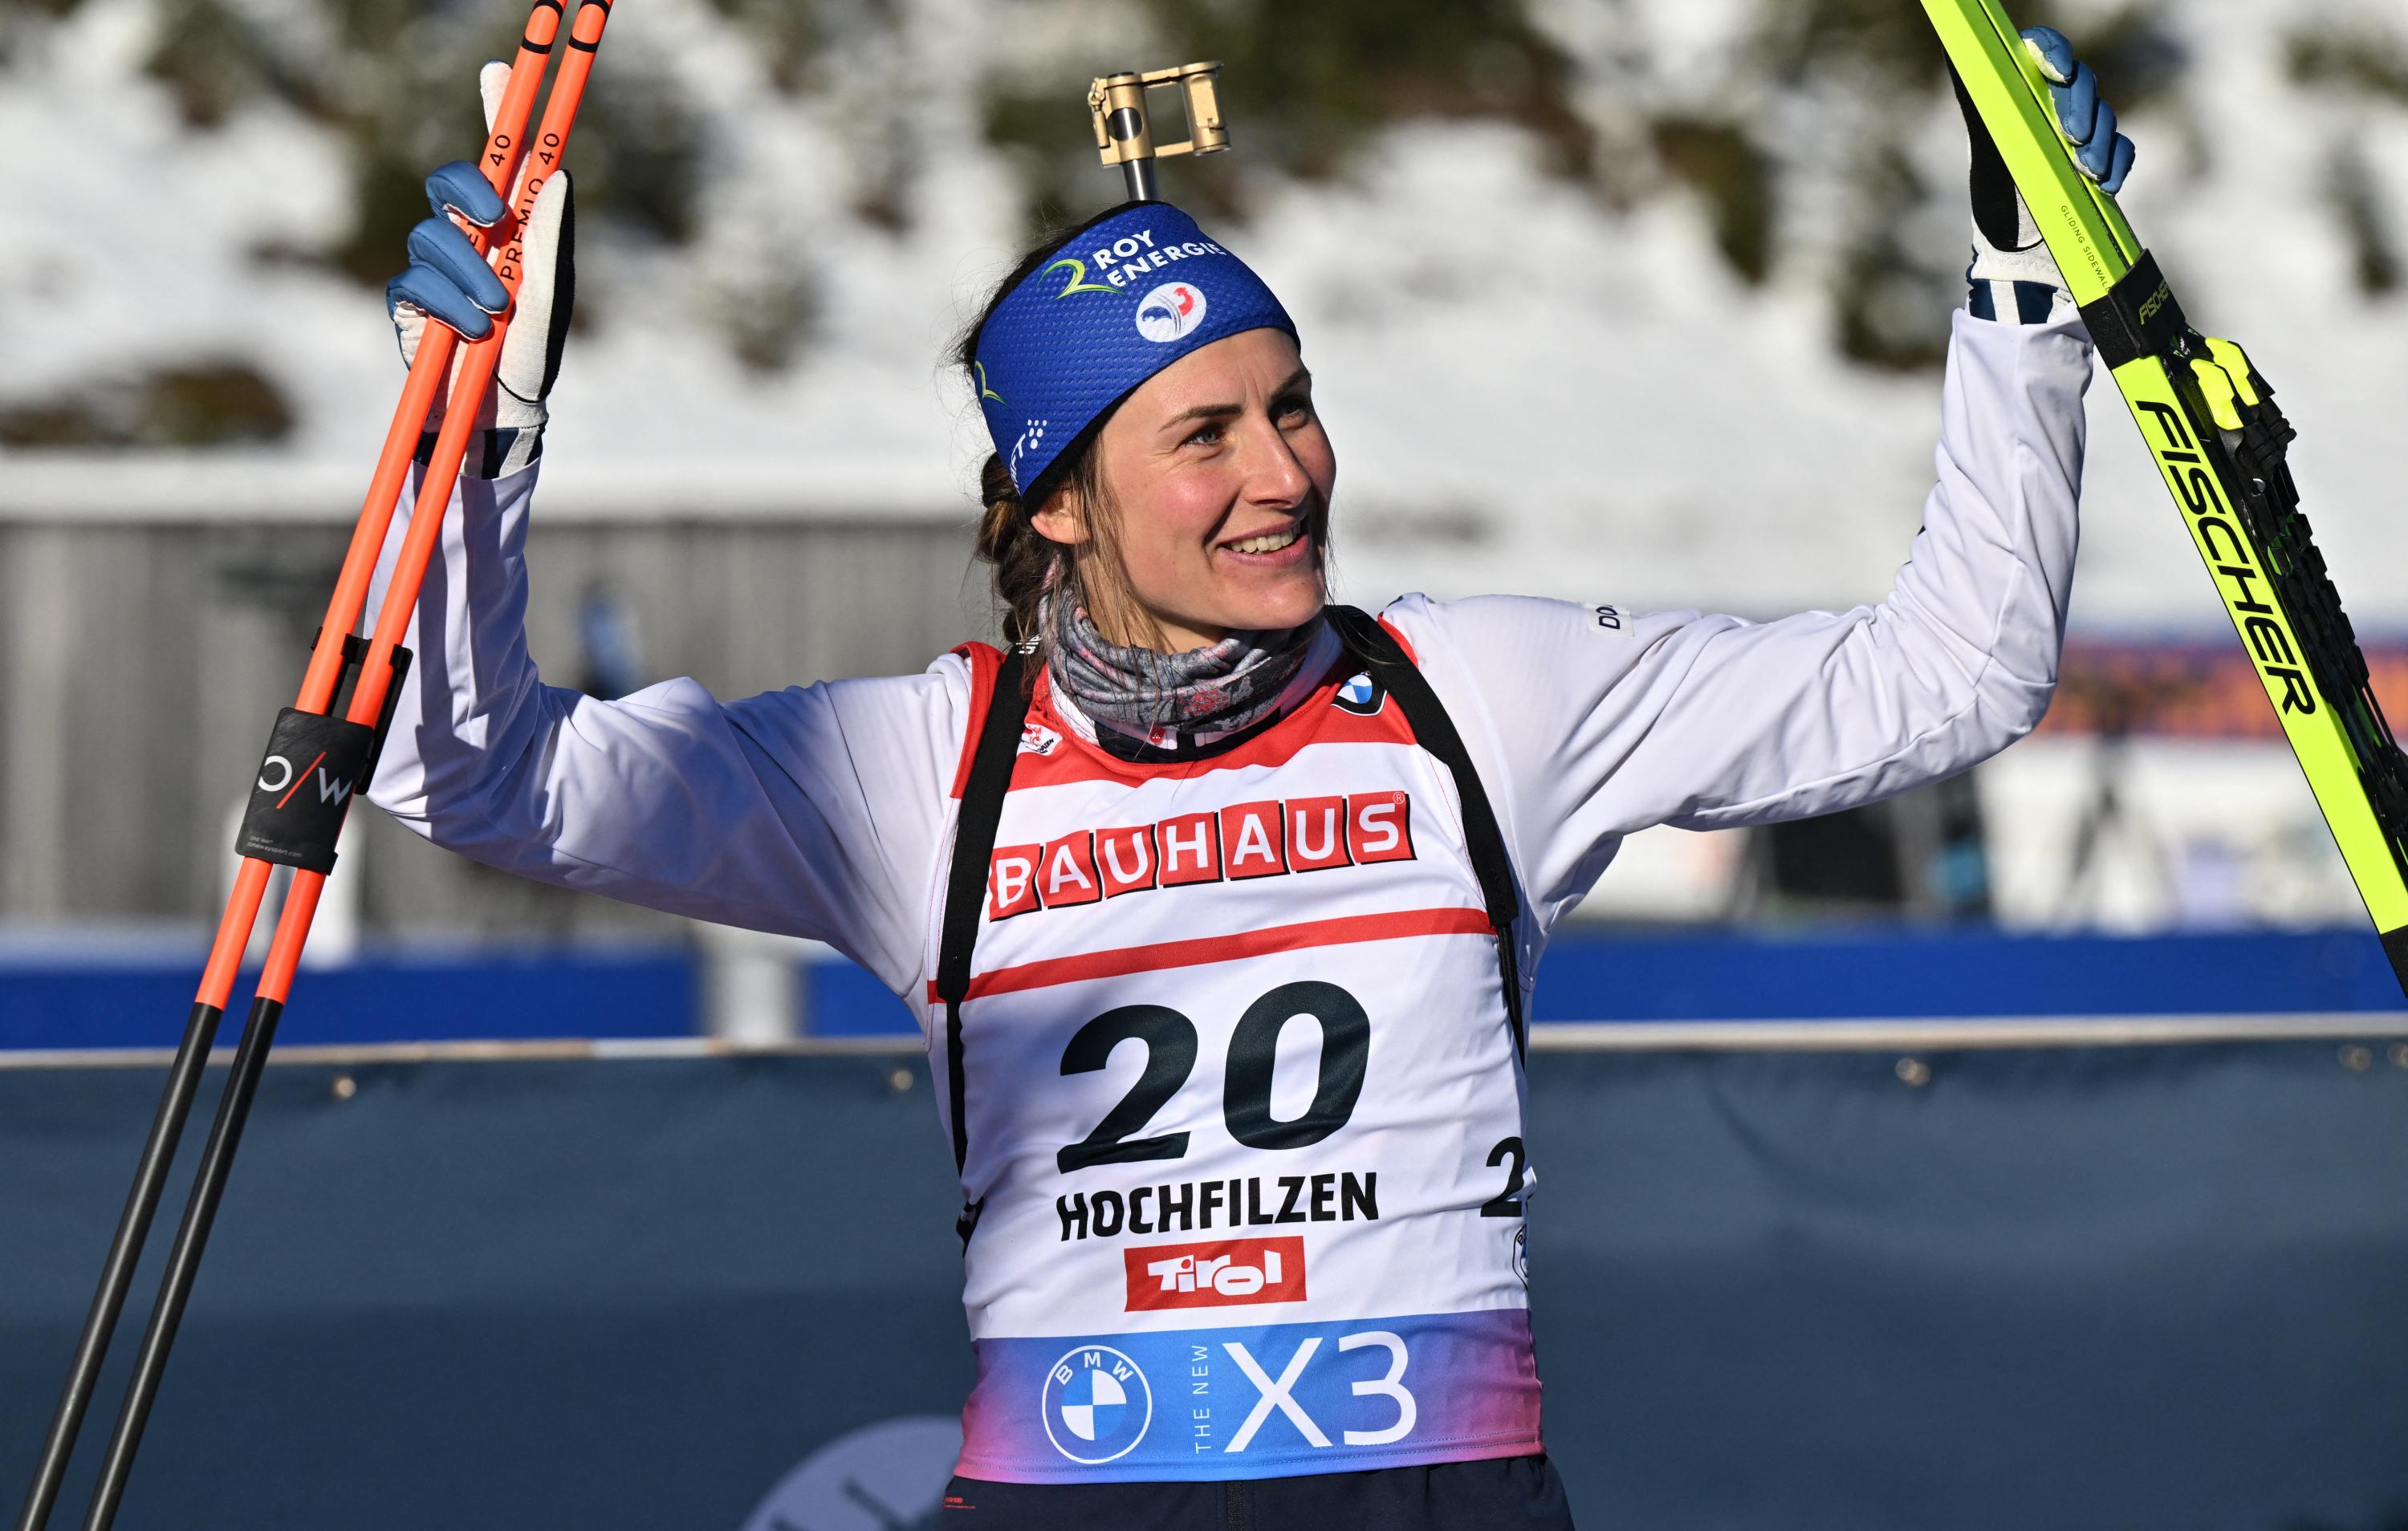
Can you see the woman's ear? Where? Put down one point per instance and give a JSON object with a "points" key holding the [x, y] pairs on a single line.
{"points": [[1062, 518]]}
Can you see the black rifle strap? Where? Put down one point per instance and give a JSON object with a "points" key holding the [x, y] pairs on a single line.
{"points": [[1434, 731], [982, 794], [990, 777]]}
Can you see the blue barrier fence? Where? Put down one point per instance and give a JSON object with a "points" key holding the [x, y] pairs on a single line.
{"points": [[1713, 975], [94, 1004], [2085, 1289]]}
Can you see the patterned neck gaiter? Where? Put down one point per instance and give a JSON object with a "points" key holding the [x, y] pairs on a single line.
{"points": [[1171, 702]]}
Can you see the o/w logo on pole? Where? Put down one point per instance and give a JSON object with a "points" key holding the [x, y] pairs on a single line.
{"points": [[276, 774], [307, 750], [1096, 1405]]}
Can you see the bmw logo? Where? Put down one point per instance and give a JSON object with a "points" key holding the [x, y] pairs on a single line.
{"points": [[1096, 1405], [1362, 695]]}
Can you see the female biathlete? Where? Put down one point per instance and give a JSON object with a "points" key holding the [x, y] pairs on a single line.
{"points": [[1221, 906]]}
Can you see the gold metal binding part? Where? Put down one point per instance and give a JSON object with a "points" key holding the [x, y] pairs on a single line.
{"points": [[1125, 133]]}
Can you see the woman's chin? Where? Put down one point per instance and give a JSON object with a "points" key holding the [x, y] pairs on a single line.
{"points": [[1253, 606], [1271, 611]]}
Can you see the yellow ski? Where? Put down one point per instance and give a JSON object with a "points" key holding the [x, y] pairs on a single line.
{"points": [[2211, 422]]}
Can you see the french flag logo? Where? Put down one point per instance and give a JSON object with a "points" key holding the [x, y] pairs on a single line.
{"points": [[1170, 311]]}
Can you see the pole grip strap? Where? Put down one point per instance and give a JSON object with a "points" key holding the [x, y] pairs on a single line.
{"points": [[2137, 317], [315, 763]]}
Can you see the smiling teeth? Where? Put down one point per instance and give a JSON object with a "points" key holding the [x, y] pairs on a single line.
{"points": [[1271, 543]]}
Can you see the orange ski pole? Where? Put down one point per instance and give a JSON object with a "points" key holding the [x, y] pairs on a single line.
{"points": [[475, 375], [379, 672], [503, 153], [379, 668], [505, 148]]}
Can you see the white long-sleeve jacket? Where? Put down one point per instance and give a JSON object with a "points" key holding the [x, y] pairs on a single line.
{"points": [[824, 810], [1361, 1233]]}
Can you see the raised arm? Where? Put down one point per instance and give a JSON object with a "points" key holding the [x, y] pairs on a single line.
{"points": [[1601, 723], [765, 812], [811, 811]]}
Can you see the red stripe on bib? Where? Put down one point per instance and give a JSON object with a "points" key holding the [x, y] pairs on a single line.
{"points": [[1119, 962]]}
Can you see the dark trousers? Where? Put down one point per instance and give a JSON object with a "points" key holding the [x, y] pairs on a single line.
{"points": [[1509, 1493]]}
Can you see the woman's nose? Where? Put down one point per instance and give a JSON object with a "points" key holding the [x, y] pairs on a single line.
{"points": [[1274, 474]]}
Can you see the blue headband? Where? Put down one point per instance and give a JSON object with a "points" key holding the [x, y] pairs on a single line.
{"points": [[1128, 295]]}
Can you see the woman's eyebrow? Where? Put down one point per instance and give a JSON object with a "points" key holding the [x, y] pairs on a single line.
{"points": [[1204, 412], [1300, 378]]}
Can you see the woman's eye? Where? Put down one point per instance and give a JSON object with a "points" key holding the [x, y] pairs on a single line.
{"points": [[1295, 410], [1203, 435]]}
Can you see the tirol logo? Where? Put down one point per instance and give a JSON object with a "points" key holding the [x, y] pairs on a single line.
{"points": [[1363, 696], [1213, 1274], [1096, 1405], [1169, 312]]}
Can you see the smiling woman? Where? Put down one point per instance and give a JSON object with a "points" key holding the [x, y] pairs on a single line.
{"points": [[1188, 402], [1220, 905], [1198, 411], [1233, 471]]}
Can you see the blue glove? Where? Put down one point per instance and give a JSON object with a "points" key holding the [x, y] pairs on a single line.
{"points": [[447, 278], [449, 282], [2083, 115], [2013, 277]]}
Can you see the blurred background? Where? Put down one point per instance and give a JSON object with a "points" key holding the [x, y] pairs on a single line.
{"points": [[1861, 1209], [1626, 301]]}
